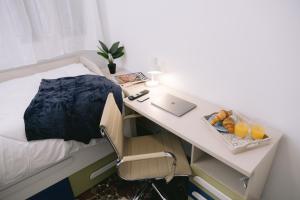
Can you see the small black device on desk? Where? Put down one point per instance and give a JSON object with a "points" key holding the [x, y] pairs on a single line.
{"points": [[138, 95]]}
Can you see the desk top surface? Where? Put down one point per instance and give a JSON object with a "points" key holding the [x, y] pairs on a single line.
{"points": [[191, 128]]}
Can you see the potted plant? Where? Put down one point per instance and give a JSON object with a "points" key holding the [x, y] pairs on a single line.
{"points": [[110, 54]]}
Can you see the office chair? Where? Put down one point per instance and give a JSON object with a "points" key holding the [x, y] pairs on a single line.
{"points": [[146, 158]]}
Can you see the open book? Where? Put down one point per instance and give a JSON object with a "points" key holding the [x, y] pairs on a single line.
{"points": [[129, 79]]}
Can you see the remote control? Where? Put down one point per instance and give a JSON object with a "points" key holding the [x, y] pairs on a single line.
{"points": [[138, 95]]}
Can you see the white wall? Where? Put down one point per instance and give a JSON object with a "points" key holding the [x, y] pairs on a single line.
{"points": [[241, 54]]}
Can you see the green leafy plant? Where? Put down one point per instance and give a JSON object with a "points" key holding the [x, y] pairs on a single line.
{"points": [[111, 53]]}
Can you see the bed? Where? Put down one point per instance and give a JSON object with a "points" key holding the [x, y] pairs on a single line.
{"points": [[29, 167]]}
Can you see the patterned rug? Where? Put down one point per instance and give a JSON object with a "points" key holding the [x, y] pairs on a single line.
{"points": [[114, 188]]}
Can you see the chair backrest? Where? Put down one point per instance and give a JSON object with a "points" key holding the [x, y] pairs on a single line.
{"points": [[112, 125]]}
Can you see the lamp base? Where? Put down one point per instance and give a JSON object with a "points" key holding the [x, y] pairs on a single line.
{"points": [[152, 83]]}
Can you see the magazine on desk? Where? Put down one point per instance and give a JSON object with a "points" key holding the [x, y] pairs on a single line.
{"points": [[129, 79]]}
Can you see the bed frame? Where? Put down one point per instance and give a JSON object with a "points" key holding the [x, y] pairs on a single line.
{"points": [[88, 58], [74, 163]]}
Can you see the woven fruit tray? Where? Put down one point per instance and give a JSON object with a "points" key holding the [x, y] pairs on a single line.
{"points": [[233, 142]]}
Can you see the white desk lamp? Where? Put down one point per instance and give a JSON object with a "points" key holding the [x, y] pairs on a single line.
{"points": [[154, 73], [154, 80]]}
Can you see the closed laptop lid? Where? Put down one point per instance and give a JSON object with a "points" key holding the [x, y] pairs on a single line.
{"points": [[173, 104]]}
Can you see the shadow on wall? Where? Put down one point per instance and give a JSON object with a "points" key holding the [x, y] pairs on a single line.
{"points": [[283, 163]]}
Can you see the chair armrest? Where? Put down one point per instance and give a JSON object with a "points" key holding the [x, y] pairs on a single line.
{"points": [[161, 154], [132, 116]]}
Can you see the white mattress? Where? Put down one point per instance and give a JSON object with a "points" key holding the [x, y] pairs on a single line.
{"points": [[18, 157]]}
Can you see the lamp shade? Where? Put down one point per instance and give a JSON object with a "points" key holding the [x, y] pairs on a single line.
{"points": [[154, 78]]}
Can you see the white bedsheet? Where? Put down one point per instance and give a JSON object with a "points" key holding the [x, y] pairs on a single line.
{"points": [[18, 157]]}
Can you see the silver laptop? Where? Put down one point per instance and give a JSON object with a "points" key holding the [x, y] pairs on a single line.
{"points": [[172, 104]]}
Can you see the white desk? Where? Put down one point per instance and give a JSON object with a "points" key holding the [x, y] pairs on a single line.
{"points": [[254, 164]]}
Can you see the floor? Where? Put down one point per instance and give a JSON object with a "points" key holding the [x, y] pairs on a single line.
{"points": [[114, 188]]}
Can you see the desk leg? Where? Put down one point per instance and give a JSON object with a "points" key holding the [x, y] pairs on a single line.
{"points": [[129, 125]]}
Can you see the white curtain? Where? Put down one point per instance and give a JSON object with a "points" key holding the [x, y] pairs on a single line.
{"points": [[31, 30]]}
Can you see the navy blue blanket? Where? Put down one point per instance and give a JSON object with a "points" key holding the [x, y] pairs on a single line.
{"points": [[69, 108]]}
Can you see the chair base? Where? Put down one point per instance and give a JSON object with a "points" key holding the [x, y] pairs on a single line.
{"points": [[158, 192], [146, 186]]}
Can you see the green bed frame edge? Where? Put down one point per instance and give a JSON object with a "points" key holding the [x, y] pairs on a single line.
{"points": [[80, 181]]}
